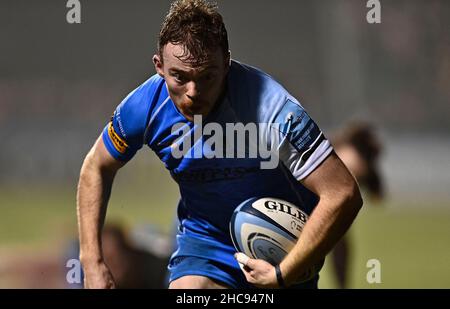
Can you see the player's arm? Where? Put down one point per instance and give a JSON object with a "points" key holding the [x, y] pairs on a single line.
{"points": [[338, 206], [121, 138], [306, 152], [339, 203], [311, 159], [94, 188]]}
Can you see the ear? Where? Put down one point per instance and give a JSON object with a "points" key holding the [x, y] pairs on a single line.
{"points": [[158, 65]]}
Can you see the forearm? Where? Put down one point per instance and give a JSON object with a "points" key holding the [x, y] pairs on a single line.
{"points": [[94, 189], [326, 225]]}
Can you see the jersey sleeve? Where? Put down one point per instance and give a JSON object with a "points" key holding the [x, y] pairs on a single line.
{"points": [[123, 136], [302, 146]]}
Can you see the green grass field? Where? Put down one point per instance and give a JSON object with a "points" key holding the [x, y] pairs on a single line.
{"points": [[413, 245]]}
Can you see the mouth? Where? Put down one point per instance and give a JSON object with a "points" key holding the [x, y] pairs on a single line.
{"points": [[189, 110], [196, 106]]}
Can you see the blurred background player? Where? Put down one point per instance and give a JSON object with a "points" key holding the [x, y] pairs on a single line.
{"points": [[359, 147], [136, 257]]}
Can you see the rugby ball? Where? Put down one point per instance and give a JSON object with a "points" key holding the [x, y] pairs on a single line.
{"points": [[268, 228]]}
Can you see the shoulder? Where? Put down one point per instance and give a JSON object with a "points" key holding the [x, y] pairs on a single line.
{"points": [[124, 134], [132, 113], [254, 89], [255, 78], [140, 99]]}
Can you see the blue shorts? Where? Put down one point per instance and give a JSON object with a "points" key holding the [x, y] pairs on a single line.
{"points": [[215, 260]]}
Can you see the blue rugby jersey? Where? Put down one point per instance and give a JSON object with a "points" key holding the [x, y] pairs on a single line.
{"points": [[211, 188]]}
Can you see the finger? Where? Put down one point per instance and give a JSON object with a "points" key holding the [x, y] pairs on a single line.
{"points": [[251, 263], [242, 258]]}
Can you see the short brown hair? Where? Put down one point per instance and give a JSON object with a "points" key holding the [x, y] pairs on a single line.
{"points": [[197, 26]]}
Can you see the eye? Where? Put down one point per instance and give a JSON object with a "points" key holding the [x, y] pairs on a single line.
{"points": [[179, 78]]}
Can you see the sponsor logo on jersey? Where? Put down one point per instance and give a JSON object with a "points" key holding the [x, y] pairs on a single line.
{"points": [[204, 175]]}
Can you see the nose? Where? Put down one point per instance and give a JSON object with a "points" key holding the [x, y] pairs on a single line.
{"points": [[193, 91]]}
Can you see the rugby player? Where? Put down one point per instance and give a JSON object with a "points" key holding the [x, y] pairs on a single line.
{"points": [[197, 78]]}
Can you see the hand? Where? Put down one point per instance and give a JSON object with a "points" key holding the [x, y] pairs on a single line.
{"points": [[98, 276], [258, 272]]}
